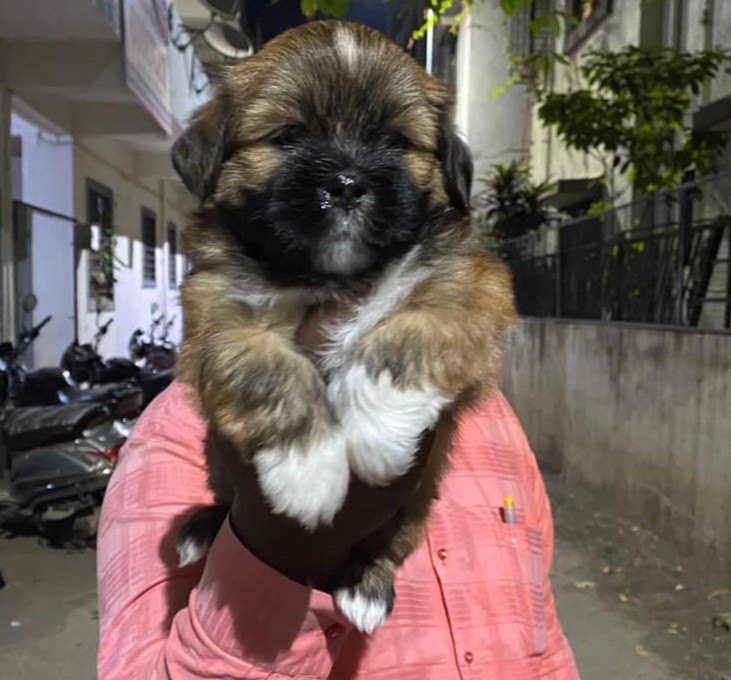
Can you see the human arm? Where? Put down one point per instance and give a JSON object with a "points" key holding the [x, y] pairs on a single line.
{"points": [[154, 621], [222, 619]]}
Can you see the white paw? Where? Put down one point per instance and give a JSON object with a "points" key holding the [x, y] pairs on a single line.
{"points": [[307, 485], [365, 613], [190, 551], [382, 422]]}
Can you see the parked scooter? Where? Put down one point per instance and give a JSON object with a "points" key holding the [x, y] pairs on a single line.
{"points": [[55, 461], [87, 367], [149, 351], [51, 386]]}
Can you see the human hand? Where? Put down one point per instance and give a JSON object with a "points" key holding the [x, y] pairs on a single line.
{"points": [[310, 557]]}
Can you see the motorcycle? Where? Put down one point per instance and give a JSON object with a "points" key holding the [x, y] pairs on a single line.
{"points": [[154, 353], [52, 386], [85, 365]]}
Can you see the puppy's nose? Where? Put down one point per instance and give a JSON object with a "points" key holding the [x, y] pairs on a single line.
{"points": [[346, 187]]}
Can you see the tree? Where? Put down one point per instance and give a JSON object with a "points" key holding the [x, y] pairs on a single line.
{"points": [[433, 9], [633, 113]]}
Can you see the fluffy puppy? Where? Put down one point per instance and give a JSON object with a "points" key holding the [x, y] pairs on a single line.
{"points": [[327, 166]]}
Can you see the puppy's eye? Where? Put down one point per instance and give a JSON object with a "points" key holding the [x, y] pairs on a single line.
{"points": [[397, 140], [287, 135]]}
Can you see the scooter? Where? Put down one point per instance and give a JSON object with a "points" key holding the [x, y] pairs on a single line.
{"points": [[52, 386], [55, 461], [154, 353], [86, 366]]}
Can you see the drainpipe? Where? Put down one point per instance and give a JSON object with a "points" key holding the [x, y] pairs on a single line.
{"points": [[430, 43], [678, 24], [709, 13], [162, 290], [6, 220], [551, 86]]}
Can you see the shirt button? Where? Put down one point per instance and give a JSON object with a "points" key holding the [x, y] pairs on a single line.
{"points": [[468, 657], [333, 631], [442, 554]]}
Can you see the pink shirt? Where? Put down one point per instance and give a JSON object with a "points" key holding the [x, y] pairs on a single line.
{"points": [[473, 602]]}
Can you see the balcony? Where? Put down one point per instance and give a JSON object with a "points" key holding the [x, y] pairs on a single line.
{"points": [[100, 67]]}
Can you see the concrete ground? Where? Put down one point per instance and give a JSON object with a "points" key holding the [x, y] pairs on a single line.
{"points": [[611, 612]]}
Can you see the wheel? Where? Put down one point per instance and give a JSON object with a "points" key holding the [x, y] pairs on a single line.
{"points": [[56, 524]]}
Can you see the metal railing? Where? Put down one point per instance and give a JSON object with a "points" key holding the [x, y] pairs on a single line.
{"points": [[665, 259]]}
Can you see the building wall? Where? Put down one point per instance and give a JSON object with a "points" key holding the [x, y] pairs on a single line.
{"points": [[640, 413], [44, 178], [684, 24], [720, 36], [87, 99], [549, 158], [111, 164], [496, 127]]}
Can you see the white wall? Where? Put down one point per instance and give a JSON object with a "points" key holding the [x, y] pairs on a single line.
{"points": [[186, 75], [111, 164], [720, 35], [495, 127], [46, 181], [549, 158]]}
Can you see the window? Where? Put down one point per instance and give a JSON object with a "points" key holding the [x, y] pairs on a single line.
{"points": [[100, 215], [587, 15], [149, 245], [172, 255], [530, 29]]}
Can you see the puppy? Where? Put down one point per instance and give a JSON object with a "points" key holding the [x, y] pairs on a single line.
{"points": [[327, 167]]}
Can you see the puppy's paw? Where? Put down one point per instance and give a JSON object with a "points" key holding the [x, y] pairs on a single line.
{"points": [[197, 534], [367, 603], [306, 483], [383, 422], [365, 612]]}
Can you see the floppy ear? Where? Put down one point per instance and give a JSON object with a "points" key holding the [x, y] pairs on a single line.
{"points": [[198, 153], [457, 164]]}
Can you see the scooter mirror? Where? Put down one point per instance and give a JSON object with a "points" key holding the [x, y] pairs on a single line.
{"points": [[29, 303]]}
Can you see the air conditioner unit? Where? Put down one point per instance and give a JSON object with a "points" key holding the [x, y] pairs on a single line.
{"points": [[226, 38], [226, 9]]}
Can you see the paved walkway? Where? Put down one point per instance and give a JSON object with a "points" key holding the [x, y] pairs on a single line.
{"points": [[605, 641], [48, 613]]}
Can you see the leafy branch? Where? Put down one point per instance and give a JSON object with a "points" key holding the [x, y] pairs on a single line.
{"points": [[633, 111]]}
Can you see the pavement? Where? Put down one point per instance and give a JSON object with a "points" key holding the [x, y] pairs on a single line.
{"points": [[48, 608]]}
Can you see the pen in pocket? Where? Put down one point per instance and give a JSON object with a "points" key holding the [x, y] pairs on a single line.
{"points": [[509, 516]]}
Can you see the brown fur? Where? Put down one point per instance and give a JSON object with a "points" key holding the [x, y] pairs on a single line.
{"points": [[254, 386]]}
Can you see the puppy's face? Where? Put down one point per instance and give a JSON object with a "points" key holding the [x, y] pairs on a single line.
{"points": [[325, 153]]}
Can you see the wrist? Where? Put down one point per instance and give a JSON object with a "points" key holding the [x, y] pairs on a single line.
{"points": [[291, 557]]}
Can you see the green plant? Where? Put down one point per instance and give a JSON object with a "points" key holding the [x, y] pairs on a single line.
{"points": [[632, 114], [104, 266], [432, 9], [512, 204]]}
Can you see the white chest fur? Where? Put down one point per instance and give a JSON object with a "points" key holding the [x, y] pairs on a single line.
{"points": [[378, 424]]}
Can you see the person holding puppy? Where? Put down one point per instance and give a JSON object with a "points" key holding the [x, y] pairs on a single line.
{"points": [[474, 600], [348, 494]]}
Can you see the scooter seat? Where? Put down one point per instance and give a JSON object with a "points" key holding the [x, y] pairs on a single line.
{"points": [[26, 427], [108, 392], [124, 400], [153, 383]]}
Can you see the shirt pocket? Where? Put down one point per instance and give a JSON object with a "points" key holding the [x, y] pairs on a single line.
{"points": [[523, 544]]}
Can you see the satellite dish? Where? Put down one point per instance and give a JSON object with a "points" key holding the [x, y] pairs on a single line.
{"points": [[226, 9], [226, 38]]}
